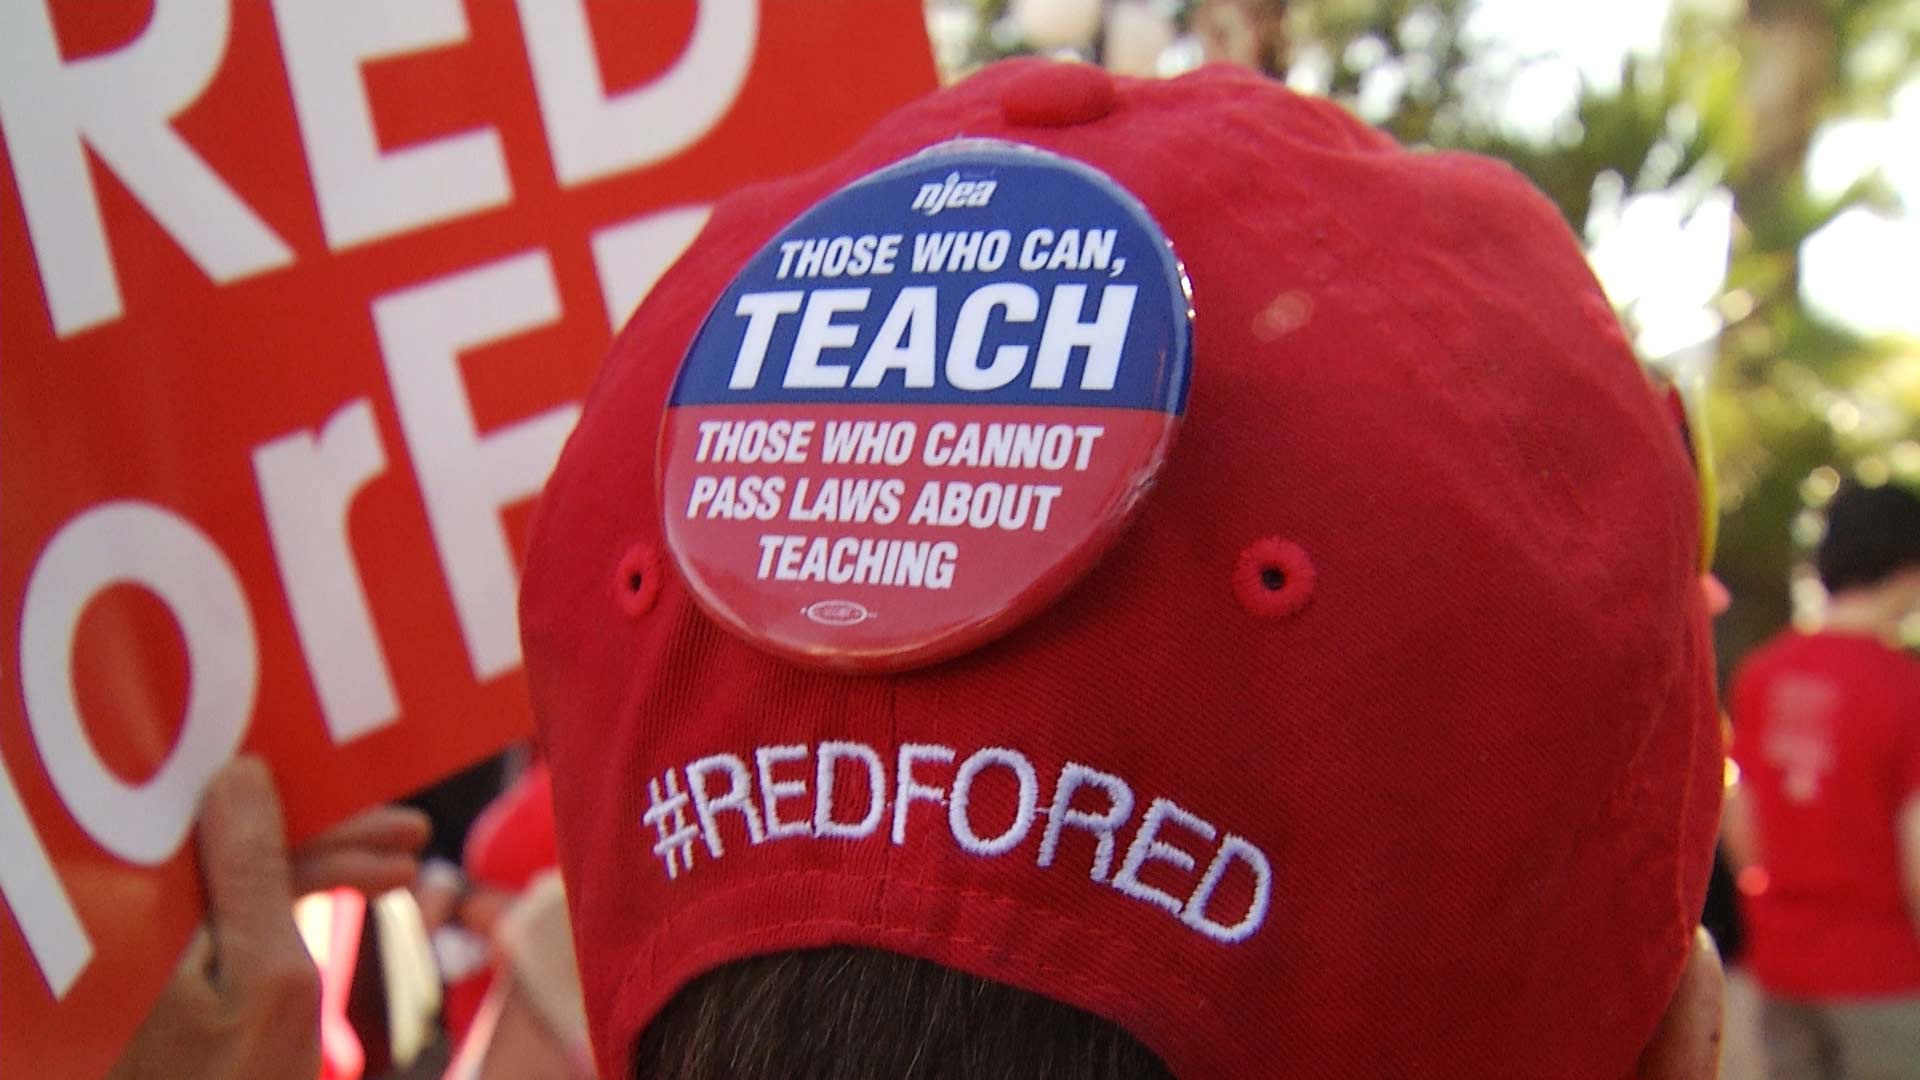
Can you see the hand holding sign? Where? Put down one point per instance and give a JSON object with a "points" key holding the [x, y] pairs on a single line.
{"points": [[244, 999], [373, 851], [306, 292]]}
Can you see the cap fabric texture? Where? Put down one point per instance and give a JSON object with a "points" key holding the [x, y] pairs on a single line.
{"points": [[1411, 619]]}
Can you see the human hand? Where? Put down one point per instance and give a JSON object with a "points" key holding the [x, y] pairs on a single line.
{"points": [[244, 1000], [374, 851], [448, 898]]}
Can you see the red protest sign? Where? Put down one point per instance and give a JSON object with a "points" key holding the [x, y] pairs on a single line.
{"points": [[298, 303]]}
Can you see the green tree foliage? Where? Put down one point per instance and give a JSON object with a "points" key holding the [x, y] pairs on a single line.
{"points": [[1729, 104]]}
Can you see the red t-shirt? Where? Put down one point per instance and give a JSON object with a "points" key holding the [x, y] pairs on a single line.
{"points": [[1827, 736]]}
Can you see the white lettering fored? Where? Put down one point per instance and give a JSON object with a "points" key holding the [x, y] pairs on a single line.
{"points": [[1084, 799], [772, 791], [1148, 847], [1073, 778], [912, 790], [958, 818], [830, 755], [737, 798]]}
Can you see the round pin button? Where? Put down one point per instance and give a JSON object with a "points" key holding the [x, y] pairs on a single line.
{"points": [[926, 408]]}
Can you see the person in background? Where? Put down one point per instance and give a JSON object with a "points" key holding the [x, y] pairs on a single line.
{"points": [[1824, 826], [461, 898], [527, 1018]]}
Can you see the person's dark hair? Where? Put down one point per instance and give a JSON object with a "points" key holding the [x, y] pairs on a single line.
{"points": [[860, 1014], [1872, 532]]}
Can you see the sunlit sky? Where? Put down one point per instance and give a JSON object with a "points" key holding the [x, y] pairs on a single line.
{"points": [[1859, 270]]}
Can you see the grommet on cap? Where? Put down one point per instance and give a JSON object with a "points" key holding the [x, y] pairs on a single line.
{"points": [[1058, 95], [637, 581], [1273, 578]]}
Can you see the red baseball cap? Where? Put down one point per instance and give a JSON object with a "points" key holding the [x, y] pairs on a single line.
{"points": [[1353, 718]]}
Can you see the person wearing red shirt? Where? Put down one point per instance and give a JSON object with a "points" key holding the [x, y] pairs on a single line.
{"points": [[1827, 819]]}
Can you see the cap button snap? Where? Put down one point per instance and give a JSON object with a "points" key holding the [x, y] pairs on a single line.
{"points": [[1058, 94]]}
